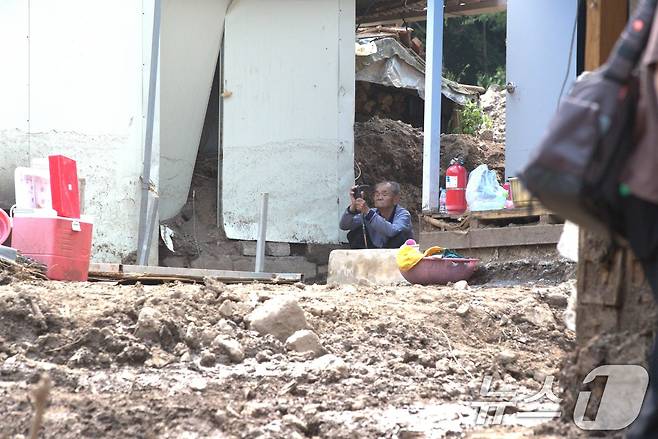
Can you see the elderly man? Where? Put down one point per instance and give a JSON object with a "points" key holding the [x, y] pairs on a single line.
{"points": [[387, 225]]}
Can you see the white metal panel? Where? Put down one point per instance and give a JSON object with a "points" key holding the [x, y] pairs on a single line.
{"points": [[191, 36], [288, 123], [540, 58], [14, 93]]}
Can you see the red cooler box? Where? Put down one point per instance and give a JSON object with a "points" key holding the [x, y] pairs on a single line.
{"points": [[62, 244]]}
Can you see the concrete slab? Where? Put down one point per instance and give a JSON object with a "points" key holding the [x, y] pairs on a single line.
{"points": [[377, 267]]}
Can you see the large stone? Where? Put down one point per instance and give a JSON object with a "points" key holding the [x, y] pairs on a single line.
{"points": [[376, 267], [280, 317], [305, 341], [271, 248]]}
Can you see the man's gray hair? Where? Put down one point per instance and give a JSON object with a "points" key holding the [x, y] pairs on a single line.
{"points": [[395, 186]]}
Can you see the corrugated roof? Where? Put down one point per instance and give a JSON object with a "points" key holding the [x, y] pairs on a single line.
{"points": [[373, 11]]}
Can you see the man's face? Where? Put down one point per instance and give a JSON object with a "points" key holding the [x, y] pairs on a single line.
{"points": [[384, 196]]}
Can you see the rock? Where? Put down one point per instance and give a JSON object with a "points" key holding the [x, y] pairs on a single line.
{"points": [[463, 309], [159, 358], [192, 337], [264, 356], [208, 335], [225, 327], [539, 314], [321, 310], [208, 359], [557, 299], [227, 308], [82, 357], [280, 317], [295, 422], [230, 347], [462, 285], [506, 357], [220, 417], [486, 134], [135, 353], [198, 383], [331, 365], [305, 341], [149, 323]]}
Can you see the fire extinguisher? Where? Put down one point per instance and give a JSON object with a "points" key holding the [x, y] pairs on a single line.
{"points": [[456, 180]]}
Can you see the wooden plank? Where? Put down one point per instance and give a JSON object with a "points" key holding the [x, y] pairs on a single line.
{"points": [[605, 22], [494, 237], [519, 212], [137, 272]]}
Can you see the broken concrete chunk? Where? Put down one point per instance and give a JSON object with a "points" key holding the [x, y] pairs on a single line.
{"points": [[506, 357], [462, 285], [463, 309], [192, 337], [230, 347], [208, 359], [280, 317], [305, 341], [149, 323], [532, 311], [227, 309], [330, 364]]}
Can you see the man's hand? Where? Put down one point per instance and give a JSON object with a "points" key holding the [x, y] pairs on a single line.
{"points": [[362, 206], [353, 207]]}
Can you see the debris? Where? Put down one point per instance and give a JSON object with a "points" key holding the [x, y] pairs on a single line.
{"points": [[506, 357], [463, 309], [305, 341], [167, 234], [231, 347], [40, 398], [280, 317], [462, 285], [149, 323], [198, 383]]}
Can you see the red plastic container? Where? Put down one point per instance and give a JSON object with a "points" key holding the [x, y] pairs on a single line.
{"points": [[62, 244], [64, 186], [5, 226], [440, 271], [456, 181]]}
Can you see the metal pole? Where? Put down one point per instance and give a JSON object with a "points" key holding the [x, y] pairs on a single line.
{"points": [[150, 224], [144, 231], [262, 231]]}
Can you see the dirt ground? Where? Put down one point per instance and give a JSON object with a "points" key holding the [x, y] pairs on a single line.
{"points": [[182, 360]]}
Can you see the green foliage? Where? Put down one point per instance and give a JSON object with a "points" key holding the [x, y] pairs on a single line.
{"points": [[472, 119], [474, 47], [499, 78]]}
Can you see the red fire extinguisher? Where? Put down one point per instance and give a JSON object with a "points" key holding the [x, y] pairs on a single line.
{"points": [[456, 180]]}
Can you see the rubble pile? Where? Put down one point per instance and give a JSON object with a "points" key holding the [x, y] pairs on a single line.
{"points": [[255, 360], [493, 105]]}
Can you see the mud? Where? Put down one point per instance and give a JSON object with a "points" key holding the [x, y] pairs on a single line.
{"points": [[144, 361]]}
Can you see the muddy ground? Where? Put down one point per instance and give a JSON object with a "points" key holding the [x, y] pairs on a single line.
{"points": [[185, 361]]}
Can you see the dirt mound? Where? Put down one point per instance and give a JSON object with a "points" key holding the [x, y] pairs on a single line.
{"points": [[180, 360], [473, 151], [386, 149]]}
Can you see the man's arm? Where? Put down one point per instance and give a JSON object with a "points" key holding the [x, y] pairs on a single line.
{"points": [[350, 220], [401, 223]]}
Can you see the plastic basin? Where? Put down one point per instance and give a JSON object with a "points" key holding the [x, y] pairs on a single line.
{"points": [[439, 271], [5, 226]]}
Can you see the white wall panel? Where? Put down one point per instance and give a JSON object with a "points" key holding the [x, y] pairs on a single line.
{"points": [[288, 123]]}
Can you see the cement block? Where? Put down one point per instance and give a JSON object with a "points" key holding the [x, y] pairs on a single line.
{"points": [[271, 248], [284, 264], [377, 267], [210, 262]]}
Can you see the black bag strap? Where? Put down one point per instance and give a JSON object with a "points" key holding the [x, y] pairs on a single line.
{"points": [[629, 47]]}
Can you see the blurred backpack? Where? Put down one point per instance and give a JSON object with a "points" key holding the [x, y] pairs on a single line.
{"points": [[576, 169]]}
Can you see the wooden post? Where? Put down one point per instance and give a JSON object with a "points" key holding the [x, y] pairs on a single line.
{"points": [[605, 21]]}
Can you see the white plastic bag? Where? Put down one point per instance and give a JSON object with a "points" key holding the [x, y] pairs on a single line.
{"points": [[483, 191]]}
